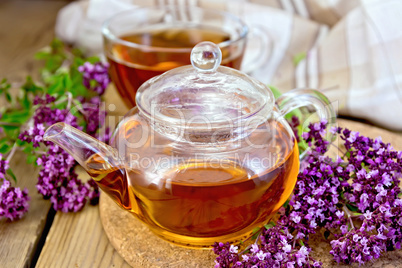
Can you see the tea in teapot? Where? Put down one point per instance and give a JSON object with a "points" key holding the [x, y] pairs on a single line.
{"points": [[204, 199]]}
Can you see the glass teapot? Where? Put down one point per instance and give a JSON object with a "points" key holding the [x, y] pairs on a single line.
{"points": [[205, 156]]}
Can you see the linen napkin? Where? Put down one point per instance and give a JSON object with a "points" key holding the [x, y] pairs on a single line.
{"points": [[348, 49]]}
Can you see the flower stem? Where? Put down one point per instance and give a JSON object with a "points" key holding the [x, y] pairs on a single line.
{"points": [[70, 97], [339, 149], [12, 152], [82, 111], [10, 124], [349, 216], [40, 152]]}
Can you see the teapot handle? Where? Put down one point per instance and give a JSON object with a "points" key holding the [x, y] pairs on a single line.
{"points": [[262, 39], [297, 98]]}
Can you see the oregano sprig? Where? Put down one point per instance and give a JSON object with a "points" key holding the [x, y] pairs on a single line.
{"points": [[353, 200], [70, 91]]}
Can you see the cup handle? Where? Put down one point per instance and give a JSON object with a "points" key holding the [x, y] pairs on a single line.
{"points": [[297, 98], [265, 49]]}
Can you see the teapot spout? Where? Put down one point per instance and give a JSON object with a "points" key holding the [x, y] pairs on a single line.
{"points": [[100, 161], [83, 147]]}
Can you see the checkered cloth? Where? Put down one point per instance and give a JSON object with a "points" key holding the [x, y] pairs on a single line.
{"points": [[351, 50]]}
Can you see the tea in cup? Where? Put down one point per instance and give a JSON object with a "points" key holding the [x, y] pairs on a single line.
{"points": [[145, 42]]}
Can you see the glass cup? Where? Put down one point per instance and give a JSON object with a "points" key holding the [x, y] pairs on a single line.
{"points": [[145, 42]]}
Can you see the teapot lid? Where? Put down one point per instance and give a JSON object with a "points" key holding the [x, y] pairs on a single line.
{"points": [[204, 93]]}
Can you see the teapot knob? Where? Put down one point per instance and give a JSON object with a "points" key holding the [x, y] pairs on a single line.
{"points": [[206, 57]]}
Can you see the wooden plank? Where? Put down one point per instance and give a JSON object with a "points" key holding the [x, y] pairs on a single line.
{"points": [[29, 26], [78, 240], [26, 26], [18, 239]]}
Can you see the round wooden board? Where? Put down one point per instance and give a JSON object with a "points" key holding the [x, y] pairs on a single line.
{"points": [[139, 247]]}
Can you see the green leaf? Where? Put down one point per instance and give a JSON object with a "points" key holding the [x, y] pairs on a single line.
{"points": [[299, 57], [352, 208], [254, 237], [17, 116], [31, 159], [57, 46], [3, 141], [54, 63], [21, 143], [11, 174], [75, 110], [77, 61], [5, 148], [286, 204], [327, 234], [8, 97], [11, 131], [67, 82], [4, 86], [269, 225], [53, 56], [25, 102], [93, 59], [302, 145], [14, 115], [256, 232], [78, 104], [83, 124], [55, 88], [56, 85], [93, 83], [47, 53], [275, 91], [28, 148], [295, 112], [4, 89], [30, 86], [77, 53], [79, 90], [42, 55]]}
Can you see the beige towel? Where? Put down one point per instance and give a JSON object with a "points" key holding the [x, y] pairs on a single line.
{"points": [[349, 49]]}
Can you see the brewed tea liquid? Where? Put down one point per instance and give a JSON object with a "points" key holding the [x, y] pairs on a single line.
{"points": [[131, 67], [196, 203]]}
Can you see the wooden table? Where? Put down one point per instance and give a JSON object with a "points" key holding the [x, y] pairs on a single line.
{"points": [[45, 238]]}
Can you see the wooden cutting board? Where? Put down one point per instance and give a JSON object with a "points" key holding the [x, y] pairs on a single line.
{"points": [[141, 248]]}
